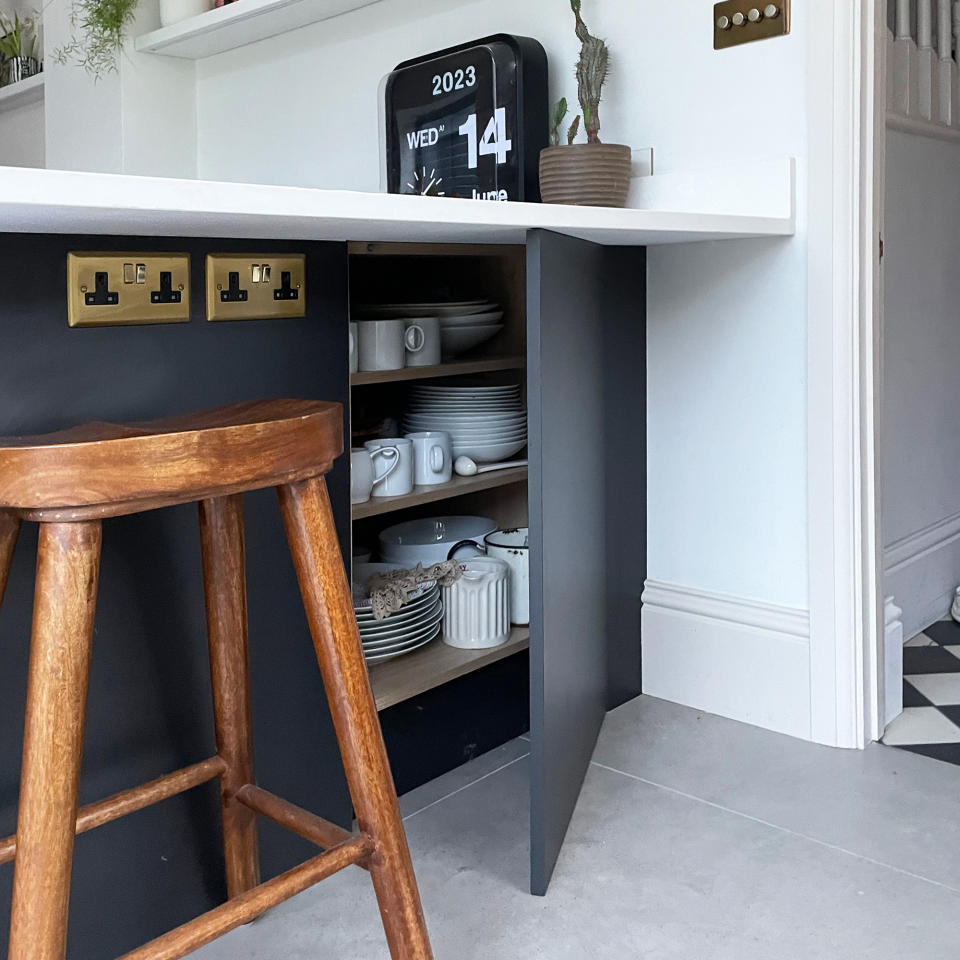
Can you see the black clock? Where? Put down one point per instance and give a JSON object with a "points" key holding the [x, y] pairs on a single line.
{"points": [[469, 121]]}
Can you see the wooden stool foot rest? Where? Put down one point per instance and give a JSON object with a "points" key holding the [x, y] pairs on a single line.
{"points": [[67, 483]]}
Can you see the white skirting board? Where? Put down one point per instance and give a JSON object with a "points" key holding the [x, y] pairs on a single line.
{"points": [[922, 571], [727, 655]]}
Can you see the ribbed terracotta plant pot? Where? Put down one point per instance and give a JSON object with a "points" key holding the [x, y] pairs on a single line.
{"points": [[586, 174]]}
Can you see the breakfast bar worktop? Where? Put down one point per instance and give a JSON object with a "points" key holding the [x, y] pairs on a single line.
{"points": [[678, 208], [569, 288]]}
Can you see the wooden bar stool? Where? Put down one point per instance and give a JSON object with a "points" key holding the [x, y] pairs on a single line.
{"points": [[67, 483]]}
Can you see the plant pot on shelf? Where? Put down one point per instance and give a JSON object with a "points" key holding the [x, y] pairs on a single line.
{"points": [[173, 11], [586, 174], [15, 69]]}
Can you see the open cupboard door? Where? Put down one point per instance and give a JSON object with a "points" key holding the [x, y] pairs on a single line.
{"points": [[586, 362]]}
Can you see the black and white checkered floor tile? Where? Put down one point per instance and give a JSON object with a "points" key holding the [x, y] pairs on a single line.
{"points": [[930, 722]]}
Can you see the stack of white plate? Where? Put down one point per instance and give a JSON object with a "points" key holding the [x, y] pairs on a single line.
{"points": [[413, 626], [485, 423], [464, 324]]}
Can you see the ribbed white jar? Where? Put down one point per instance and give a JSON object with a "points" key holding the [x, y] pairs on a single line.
{"points": [[477, 607]]}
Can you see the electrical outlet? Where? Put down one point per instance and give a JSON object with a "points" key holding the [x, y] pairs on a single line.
{"points": [[743, 21], [112, 289], [256, 286]]}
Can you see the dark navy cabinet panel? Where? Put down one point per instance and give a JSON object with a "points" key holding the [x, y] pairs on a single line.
{"points": [[149, 707], [585, 322]]}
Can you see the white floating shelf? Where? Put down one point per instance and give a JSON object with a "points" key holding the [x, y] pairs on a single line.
{"points": [[678, 208], [239, 23], [22, 93]]}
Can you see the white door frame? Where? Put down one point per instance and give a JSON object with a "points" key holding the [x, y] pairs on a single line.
{"points": [[845, 209]]}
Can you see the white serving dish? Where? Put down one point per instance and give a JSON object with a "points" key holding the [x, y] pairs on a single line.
{"points": [[403, 621], [479, 391], [429, 540], [456, 340], [471, 319], [505, 416], [440, 309], [488, 453]]}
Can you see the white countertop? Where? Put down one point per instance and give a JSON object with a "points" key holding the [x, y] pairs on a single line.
{"points": [[679, 209]]}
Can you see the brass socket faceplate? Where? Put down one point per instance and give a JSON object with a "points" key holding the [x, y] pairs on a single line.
{"points": [[732, 23], [256, 286], [139, 288]]}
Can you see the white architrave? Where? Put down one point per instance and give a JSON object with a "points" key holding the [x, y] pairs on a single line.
{"points": [[846, 606]]}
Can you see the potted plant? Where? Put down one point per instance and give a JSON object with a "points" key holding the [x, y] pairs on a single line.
{"points": [[99, 32], [18, 49], [591, 173]]}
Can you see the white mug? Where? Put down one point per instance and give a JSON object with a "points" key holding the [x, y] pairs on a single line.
{"points": [[354, 355], [513, 548], [422, 340], [381, 344], [363, 472], [397, 480], [432, 457]]}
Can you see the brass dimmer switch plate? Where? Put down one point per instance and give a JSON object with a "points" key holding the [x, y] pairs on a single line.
{"points": [[256, 286], [743, 21], [114, 289]]}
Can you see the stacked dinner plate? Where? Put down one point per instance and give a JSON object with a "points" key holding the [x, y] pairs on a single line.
{"points": [[413, 626], [485, 423], [464, 324]]}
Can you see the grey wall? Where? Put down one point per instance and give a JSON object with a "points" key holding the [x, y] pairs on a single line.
{"points": [[921, 385], [149, 709]]}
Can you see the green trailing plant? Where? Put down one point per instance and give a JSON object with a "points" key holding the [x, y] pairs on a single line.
{"points": [[592, 69], [18, 38], [99, 32]]}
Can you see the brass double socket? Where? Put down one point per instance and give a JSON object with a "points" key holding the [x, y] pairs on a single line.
{"points": [[256, 286], [112, 289]]}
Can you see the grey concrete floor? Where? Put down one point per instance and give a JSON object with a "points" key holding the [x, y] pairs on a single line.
{"points": [[695, 838]]}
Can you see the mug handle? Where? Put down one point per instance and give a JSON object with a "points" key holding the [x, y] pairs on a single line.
{"points": [[414, 338], [437, 458], [465, 543], [395, 456]]}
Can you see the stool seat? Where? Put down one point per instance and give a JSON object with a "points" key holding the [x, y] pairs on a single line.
{"points": [[107, 469]]}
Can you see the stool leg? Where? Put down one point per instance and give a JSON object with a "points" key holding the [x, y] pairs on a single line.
{"points": [[9, 529], [68, 561], [221, 529], [329, 606]]}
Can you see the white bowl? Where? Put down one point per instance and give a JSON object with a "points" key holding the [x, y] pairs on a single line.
{"points": [[471, 319], [479, 391], [429, 540], [497, 433], [488, 452], [457, 340]]}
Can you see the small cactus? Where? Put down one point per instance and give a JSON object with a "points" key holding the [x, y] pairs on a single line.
{"points": [[592, 69], [559, 113]]}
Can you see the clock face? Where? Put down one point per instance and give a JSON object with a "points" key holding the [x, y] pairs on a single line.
{"points": [[452, 125]]}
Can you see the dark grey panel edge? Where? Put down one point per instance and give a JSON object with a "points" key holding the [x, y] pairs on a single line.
{"points": [[625, 423]]}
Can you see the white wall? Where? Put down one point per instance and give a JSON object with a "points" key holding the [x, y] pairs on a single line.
{"points": [[22, 136], [727, 321], [21, 128], [921, 387], [139, 120]]}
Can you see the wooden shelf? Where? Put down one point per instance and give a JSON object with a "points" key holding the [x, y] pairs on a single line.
{"points": [[486, 365], [435, 664], [237, 24], [23, 92], [457, 487]]}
